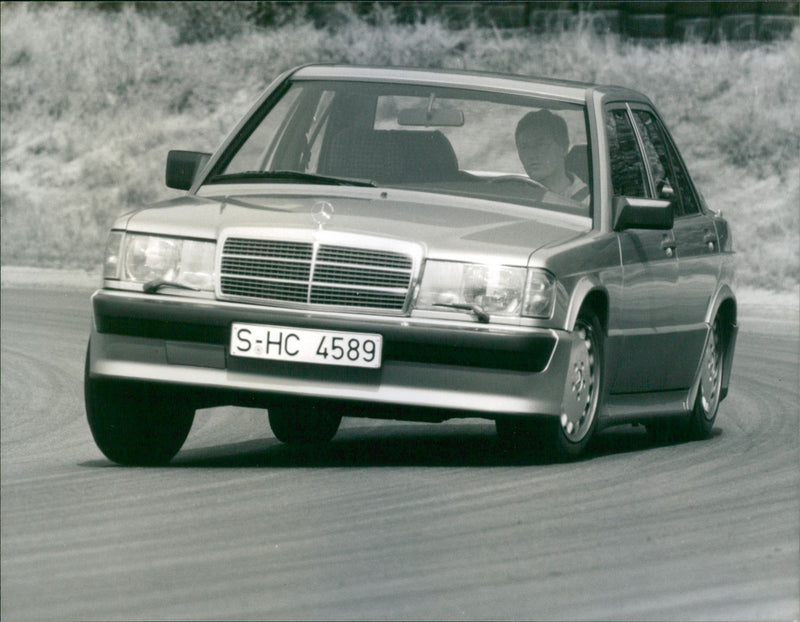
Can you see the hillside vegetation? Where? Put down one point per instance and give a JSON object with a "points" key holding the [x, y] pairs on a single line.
{"points": [[92, 101]]}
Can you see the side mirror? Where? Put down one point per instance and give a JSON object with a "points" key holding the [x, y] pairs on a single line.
{"points": [[633, 213], [183, 166]]}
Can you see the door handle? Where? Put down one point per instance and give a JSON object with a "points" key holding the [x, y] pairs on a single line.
{"points": [[710, 238], [669, 246]]}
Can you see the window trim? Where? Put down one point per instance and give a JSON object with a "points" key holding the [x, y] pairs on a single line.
{"points": [[675, 154], [648, 181]]}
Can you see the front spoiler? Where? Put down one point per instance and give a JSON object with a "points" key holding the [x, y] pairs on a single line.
{"points": [[465, 368]]}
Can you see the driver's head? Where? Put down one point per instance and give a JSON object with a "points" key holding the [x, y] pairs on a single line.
{"points": [[542, 142]]}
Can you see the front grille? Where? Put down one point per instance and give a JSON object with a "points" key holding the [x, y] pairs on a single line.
{"points": [[315, 273]]}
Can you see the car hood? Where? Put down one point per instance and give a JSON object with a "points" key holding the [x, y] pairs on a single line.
{"points": [[447, 227]]}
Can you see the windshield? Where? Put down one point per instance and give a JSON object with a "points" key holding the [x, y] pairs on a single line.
{"points": [[504, 147]]}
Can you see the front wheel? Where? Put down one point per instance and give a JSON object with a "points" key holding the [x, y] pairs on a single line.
{"points": [[135, 423], [583, 390], [569, 436]]}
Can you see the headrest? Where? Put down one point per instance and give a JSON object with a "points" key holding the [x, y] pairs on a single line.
{"points": [[392, 156]]}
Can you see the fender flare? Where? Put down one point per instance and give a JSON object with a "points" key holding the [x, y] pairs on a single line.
{"points": [[584, 288], [723, 294]]}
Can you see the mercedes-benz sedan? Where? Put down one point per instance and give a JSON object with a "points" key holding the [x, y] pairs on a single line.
{"points": [[419, 245]]}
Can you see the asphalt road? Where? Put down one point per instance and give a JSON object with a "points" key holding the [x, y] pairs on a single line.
{"points": [[392, 521]]}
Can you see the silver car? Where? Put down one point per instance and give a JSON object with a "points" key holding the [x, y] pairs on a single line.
{"points": [[419, 245]]}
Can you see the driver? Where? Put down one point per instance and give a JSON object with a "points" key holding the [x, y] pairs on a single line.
{"points": [[542, 143]]}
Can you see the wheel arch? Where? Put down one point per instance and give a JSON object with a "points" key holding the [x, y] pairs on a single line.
{"points": [[588, 294], [724, 302], [725, 307]]}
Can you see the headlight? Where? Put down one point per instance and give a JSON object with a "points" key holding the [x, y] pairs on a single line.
{"points": [[149, 258], [495, 290]]}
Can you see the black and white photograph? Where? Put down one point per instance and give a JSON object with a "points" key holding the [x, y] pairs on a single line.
{"points": [[411, 310]]}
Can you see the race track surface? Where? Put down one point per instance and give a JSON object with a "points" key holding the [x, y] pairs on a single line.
{"points": [[393, 520]]}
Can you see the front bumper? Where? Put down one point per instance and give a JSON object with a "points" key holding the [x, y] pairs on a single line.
{"points": [[461, 366]]}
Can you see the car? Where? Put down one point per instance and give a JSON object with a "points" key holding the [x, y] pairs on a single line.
{"points": [[419, 245]]}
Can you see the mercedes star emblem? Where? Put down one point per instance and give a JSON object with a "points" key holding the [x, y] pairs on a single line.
{"points": [[322, 213]]}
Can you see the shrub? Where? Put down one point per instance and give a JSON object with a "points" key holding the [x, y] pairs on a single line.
{"points": [[92, 100], [199, 22]]}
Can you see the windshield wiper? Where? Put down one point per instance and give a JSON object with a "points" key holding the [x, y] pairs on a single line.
{"points": [[312, 178], [479, 313]]}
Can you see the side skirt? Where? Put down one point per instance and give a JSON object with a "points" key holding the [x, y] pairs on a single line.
{"points": [[624, 408]]}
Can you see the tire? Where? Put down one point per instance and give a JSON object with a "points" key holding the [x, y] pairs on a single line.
{"points": [[584, 390], [304, 424], [665, 432], [135, 423], [706, 405], [569, 436], [700, 422], [522, 434]]}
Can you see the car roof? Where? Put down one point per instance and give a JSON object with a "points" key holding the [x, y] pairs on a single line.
{"points": [[568, 90]]}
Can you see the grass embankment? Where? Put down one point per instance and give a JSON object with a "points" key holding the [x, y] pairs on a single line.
{"points": [[91, 102]]}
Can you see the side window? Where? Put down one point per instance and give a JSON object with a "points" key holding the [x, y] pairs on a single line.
{"points": [[689, 200], [627, 166], [655, 148], [670, 178]]}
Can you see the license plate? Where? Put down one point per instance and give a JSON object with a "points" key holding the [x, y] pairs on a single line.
{"points": [[301, 345]]}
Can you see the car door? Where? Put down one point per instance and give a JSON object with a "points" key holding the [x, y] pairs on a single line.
{"points": [[649, 270], [697, 251]]}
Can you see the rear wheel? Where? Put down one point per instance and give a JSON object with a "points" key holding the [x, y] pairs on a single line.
{"points": [[701, 420], [135, 423], [304, 424], [706, 405]]}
